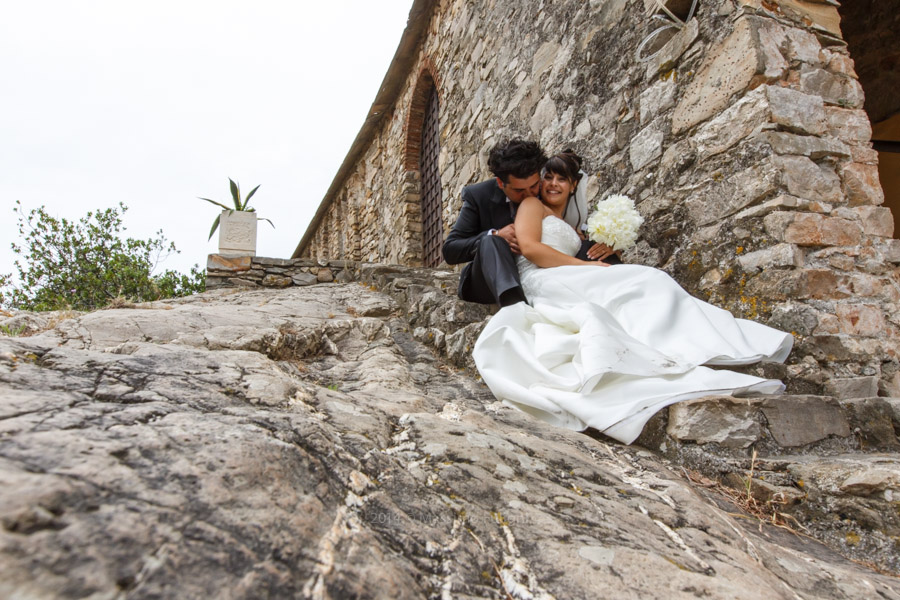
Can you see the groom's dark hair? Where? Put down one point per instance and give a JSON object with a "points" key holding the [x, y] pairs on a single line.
{"points": [[517, 157]]}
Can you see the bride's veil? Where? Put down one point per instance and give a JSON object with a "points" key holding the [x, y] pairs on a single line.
{"points": [[577, 210]]}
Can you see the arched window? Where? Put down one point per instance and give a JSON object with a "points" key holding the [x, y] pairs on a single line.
{"points": [[432, 227]]}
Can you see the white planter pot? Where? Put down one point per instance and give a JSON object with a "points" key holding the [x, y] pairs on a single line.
{"points": [[237, 233]]}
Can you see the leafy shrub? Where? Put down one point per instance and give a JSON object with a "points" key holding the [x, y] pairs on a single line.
{"points": [[85, 265]]}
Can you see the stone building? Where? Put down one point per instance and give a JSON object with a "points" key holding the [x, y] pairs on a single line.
{"points": [[743, 130]]}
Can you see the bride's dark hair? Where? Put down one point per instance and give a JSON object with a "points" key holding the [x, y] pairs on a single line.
{"points": [[566, 164]]}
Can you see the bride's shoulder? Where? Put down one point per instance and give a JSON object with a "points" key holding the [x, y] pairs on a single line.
{"points": [[532, 207]]}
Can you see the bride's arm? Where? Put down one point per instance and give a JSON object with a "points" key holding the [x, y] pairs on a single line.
{"points": [[529, 219]]}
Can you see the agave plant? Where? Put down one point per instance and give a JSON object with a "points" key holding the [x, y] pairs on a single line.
{"points": [[241, 205]]}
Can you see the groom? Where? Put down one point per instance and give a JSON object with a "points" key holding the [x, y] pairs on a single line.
{"points": [[485, 233]]}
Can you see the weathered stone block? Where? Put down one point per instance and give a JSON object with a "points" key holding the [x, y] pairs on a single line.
{"points": [[780, 201], [796, 111], [726, 198], [848, 125], [728, 69], [892, 251], [841, 63], [305, 263], [819, 284], [873, 420], [324, 276], [872, 481], [840, 348], [229, 264], [780, 255], [807, 229], [876, 220], [834, 89], [861, 184], [861, 319], [806, 179], [731, 422], [803, 46], [822, 15], [800, 420], [657, 98], [543, 58], [545, 114], [771, 37], [272, 262], [214, 282], [794, 317], [341, 264], [240, 282], [828, 325], [345, 276], [852, 387], [863, 284], [276, 281], [743, 118], [645, 147], [304, 279], [814, 147], [864, 154], [894, 407]]}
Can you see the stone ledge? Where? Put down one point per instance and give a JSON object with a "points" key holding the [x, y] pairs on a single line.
{"points": [[773, 425]]}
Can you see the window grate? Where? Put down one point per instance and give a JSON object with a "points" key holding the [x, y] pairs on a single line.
{"points": [[432, 229]]}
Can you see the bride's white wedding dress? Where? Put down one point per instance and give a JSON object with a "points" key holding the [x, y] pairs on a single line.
{"points": [[607, 347]]}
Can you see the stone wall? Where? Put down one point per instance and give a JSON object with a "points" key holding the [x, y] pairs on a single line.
{"points": [[743, 142]]}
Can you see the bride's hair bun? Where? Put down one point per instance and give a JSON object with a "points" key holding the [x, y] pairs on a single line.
{"points": [[569, 153]]}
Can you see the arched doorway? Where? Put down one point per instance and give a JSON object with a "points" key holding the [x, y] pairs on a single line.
{"points": [[870, 29], [423, 149], [432, 226]]}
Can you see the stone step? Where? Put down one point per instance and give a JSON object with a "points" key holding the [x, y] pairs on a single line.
{"points": [[772, 425], [826, 467], [849, 501]]}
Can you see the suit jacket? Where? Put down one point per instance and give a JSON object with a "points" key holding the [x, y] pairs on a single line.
{"points": [[485, 207]]}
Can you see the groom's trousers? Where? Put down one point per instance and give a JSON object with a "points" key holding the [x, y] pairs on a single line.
{"points": [[492, 277]]}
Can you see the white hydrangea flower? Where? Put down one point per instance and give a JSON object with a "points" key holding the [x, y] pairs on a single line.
{"points": [[615, 222]]}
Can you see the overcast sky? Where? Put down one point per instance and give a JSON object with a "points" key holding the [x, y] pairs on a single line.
{"points": [[155, 102]]}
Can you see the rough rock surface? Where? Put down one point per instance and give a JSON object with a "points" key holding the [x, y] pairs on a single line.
{"points": [[301, 443]]}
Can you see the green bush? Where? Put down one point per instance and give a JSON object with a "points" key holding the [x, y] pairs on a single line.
{"points": [[85, 265]]}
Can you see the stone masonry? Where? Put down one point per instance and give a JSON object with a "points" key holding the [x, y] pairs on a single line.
{"points": [[743, 142]]}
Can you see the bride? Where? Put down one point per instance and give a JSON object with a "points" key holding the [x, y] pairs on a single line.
{"points": [[608, 346]]}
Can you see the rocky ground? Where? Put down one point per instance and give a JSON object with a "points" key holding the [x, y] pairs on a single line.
{"points": [[304, 443]]}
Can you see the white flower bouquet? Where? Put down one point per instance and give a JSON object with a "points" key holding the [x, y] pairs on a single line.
{"points": [[615, 222]]}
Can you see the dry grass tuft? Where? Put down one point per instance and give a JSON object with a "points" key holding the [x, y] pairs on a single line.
{"points": [[766, 512]]}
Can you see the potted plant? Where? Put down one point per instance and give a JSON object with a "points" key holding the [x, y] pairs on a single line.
{"points": [[237, 226]]}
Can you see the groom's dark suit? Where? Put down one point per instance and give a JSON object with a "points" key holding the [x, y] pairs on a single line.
{"points": [[492, 271]]}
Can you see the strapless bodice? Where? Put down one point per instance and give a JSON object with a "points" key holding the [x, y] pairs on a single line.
{"points": [[557, 234]]}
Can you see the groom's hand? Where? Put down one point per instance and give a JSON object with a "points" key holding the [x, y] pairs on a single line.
{"points": [[599, 252], [508, 233]]}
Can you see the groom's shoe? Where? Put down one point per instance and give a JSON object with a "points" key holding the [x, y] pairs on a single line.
{"points": [[512, 296]]}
